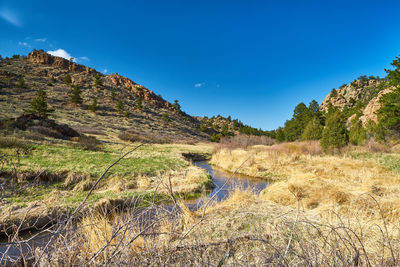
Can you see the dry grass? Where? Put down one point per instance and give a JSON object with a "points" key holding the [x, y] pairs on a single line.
{"points": [[243, 230], [321, 182]]}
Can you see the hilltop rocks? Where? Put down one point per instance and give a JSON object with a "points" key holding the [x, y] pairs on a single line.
{"points": [[348, 95], [139, 90], [41, 57]]}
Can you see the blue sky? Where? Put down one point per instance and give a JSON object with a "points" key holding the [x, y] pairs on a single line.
{"points": [[253, 60]]}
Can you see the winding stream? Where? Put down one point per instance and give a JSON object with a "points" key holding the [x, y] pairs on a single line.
{"points": [[219, 178]]}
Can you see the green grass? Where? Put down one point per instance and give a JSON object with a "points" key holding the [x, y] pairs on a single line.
{"points": [[60, 158], [388, 160]]}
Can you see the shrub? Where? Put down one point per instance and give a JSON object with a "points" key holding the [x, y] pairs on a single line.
{"points": [[94, 106], [244, 141], [75, 95], [215, 137], [165, 117], [89, 143], [139, 103], [119, 106], [97, 80], [135, 137], [21, 83], [113, 94], [68, 79], [176, 105], [334, 135], [333, 93]]}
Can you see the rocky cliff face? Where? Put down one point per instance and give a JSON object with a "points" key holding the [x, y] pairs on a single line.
{"points": [[41, 57], [348, 95], [362, 94], [139, 90]]}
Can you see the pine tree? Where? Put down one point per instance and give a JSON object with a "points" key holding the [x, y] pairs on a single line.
{"points": [[176, 105], [313, 130], [39, 104], [113, 94], [119, 106], [94, 106], [75, 95], [389, 113], [21, 83], [334, 135], [68, 79], [357, 134], [97, 80], [139, 103]]}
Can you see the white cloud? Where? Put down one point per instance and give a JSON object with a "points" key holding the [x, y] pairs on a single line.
{"points": [[61, 53], [24, 44], [84, 58], [199, 84], [41, 40], [10, 17], [105, 71]]}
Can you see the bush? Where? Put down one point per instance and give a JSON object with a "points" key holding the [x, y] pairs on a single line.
{"points": [[68, 79], [119, 106], [139, 103], [165, 117], [244, 141], [334, 135], [333, 93], [89, 143], [94, 106], [215, 137], [135, 137], [21, 83]]}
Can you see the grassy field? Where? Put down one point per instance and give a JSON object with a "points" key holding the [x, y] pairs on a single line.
{"points": [[320, 182], [59, 175]]}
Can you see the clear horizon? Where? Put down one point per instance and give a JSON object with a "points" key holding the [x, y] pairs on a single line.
{"points": [[252, 60]]}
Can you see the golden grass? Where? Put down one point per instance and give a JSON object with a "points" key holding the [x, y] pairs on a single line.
{"points": [[320, 182]]}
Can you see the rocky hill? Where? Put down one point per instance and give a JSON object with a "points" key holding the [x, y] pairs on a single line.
{"points": [[140, 110], [361, 97]]}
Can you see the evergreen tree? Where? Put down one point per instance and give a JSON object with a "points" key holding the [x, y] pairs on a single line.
{"points": [[176, 105], [389, 113], [334, 134], [94, 106], [294, 128], [113, 94], [97, 80], [21, 83], [68, 79], [75, 95], [313, 130], [39, 104], [280, 135], [139, 103], [357, 134], [119, 106]]}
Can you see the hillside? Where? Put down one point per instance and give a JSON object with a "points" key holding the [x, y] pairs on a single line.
{"points": [[21, 77]]}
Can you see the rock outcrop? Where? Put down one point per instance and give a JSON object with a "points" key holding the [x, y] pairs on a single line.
{"points": [[369, 112], [41, 57], [139, 90], [348, 95]]}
